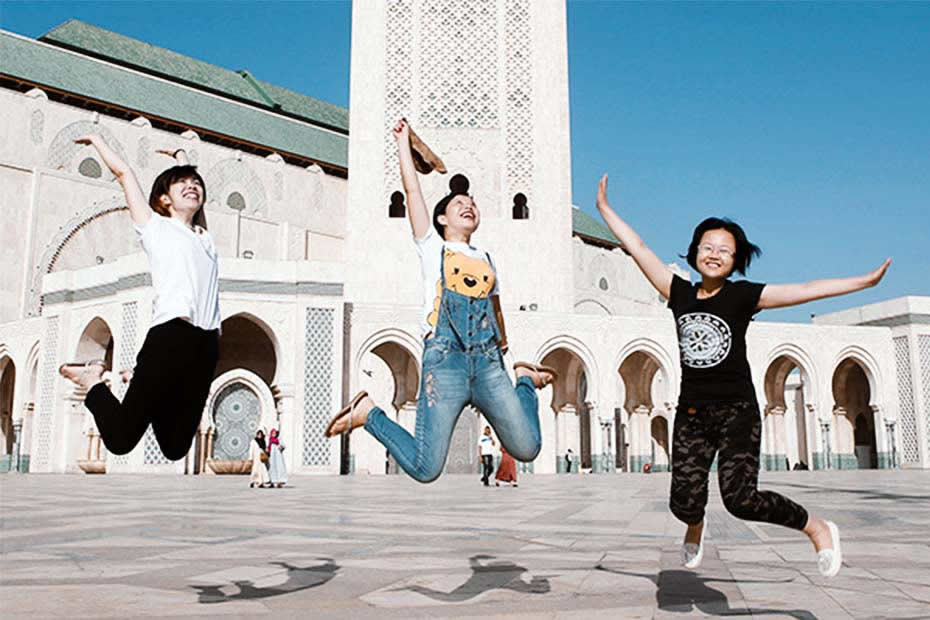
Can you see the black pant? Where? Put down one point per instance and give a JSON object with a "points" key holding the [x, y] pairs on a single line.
{"points": [[733, 431], [168, 390], [487, 463]]}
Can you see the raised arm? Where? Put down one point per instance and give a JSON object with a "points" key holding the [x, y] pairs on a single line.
{"points": [[419, 215], [781, 295], [139, 209], [658, 274]]}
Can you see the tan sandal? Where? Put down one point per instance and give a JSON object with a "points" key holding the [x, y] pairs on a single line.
{"points": [[538, 370], [347, 410], [424, 159]]}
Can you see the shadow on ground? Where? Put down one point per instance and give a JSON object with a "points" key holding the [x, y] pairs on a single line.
{"points": [[498, 575], [683, 591], [297, 579]]}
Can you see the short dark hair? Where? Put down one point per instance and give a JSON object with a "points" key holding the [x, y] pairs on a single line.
{"points": [[163, 183], [458, 186], [745, 249]]}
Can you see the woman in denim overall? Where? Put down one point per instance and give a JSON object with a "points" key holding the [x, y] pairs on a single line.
{"points": [[717, 409], [462, 357]]}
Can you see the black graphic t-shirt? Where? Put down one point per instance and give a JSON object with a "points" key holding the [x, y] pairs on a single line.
{"points": [[712, 340]]}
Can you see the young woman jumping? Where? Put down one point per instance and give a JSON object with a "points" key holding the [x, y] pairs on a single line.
{"points": [[462, 359], [717, 410], [174, 367]]}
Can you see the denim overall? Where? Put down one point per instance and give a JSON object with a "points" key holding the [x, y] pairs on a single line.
{"points": [[462, 364]]}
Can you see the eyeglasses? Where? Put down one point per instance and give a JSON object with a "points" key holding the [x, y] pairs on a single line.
{"points": [[723, 251]]}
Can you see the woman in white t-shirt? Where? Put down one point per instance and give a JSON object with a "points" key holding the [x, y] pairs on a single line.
{"points": [[463, 341], [174, 368]]}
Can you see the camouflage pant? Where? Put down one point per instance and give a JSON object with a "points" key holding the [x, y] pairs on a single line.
{"points": [[734, 431]]}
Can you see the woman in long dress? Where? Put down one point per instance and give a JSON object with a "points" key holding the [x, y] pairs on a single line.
{"points": [[259, 473], [277, 468], [507, 470]]}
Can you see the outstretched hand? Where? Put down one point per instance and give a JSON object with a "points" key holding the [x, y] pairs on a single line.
{"points": [[401, 130], [602, 203], [179, 155], [874, 277]]}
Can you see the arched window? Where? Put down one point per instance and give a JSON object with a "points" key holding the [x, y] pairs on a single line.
{"points": [[397, 208], [520, 210]]}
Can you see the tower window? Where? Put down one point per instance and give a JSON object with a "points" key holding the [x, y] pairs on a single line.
{"points": [[520, 210], [90, 168], [396, 208], [236, 201]]}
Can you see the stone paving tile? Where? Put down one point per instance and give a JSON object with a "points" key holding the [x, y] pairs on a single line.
{"points": [[560, 547]]}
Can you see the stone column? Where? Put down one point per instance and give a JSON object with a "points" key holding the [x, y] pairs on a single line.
{"points": [[569, 439], [72, 428], [844, 452], [774, 432], [288, 424], [17, 445], [595, 431], [640, 439]]}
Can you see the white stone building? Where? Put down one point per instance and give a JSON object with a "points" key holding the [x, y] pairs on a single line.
{"points": [[319, 282]]}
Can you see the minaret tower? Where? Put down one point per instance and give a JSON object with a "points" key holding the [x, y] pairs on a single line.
{"points": [[485, 84]]}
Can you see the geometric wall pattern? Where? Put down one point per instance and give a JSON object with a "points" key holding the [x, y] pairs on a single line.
{"points": [[519, 114], [125, 360], [236, 415], [458, 60], [152, 454], [923, 357], [398, 81], [318, 383], [45, 414], [910, 452]]}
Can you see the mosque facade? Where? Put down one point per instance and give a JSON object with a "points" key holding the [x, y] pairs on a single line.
{"points": [[320, 289]]}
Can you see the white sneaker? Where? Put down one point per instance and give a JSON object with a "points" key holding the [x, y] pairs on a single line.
{"points": [[830, 560], [692, 554]]}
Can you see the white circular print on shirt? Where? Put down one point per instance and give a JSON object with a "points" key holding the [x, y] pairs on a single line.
{"points": [[704, 339]]}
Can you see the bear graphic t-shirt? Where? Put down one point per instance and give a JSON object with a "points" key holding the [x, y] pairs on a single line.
{"points": [[468, 271], [712, 340]]}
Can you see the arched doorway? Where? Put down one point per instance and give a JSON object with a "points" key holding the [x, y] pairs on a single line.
{"points": [[390, 373], [246, 343], [645, 382], [7, 385], [788, 438], [572, 432], [853, 418]]}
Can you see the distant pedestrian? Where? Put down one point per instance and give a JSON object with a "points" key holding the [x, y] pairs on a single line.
{"points": [[507, 470], [277, 470], [486, 445]]}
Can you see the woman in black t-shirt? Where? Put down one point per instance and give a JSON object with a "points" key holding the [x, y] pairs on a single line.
{"points": [[717, 409]]}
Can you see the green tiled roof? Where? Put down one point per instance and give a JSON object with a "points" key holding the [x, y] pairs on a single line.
{"points": [[586, 226], [123, 50], [55, 68]]}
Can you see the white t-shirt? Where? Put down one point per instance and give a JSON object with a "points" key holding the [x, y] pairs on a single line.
{"points": [[467, 272], [486, 444], [185, 272]]}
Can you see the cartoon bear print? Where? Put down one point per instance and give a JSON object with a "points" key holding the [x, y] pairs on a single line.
{"points": [[468, 276]]}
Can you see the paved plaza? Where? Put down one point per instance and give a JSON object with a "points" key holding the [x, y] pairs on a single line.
{"points": [[582, 546]]}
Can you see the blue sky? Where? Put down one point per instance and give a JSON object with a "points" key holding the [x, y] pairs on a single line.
{"points": [[807, 123]]}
